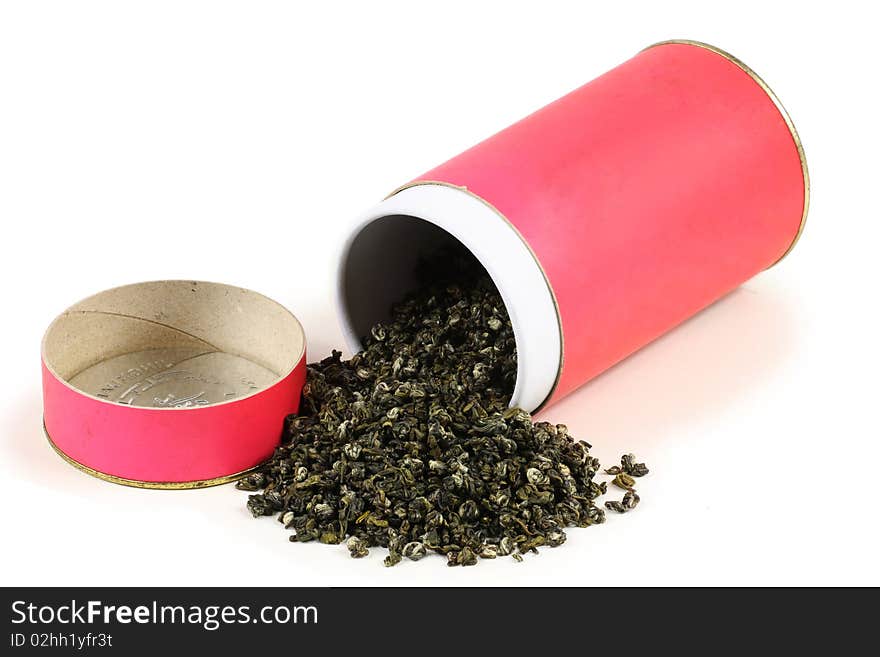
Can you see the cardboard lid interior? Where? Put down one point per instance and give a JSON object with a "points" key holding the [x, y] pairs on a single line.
{"points": [[188, 343]]}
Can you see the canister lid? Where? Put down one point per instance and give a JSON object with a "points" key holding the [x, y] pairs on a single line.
{"points": [[171, 384]]}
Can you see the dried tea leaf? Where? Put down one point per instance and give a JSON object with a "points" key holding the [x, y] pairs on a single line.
{"points": [[629, 466], [357, 547], [623, 480], [410, 444], [614, 505], [628, 503], [630, 499]]}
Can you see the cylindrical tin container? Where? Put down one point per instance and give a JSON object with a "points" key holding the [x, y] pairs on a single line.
{"points": [[605, 218], [171, 384]]}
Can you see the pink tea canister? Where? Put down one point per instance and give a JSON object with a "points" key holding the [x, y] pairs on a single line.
{"points": [[605, 218], [171, 384]]}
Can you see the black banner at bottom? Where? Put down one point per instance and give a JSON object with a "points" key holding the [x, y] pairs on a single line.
{"points": [[252, 621]]}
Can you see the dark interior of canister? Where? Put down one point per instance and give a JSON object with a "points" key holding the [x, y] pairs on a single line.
{"points": [[381, 265]]}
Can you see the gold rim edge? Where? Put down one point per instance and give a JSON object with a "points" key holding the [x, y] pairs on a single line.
{"points": [[534, 257], [153, 485], [785, 117]]}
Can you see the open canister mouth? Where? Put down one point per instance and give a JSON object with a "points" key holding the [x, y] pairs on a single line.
{"points": [[171, 384], [378, 262]]}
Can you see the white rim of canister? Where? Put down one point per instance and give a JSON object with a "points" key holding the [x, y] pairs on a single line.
{"points": [[497, 245]]}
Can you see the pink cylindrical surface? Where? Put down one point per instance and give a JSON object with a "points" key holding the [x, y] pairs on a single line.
{"points": [[645, 195], [150, 445]]}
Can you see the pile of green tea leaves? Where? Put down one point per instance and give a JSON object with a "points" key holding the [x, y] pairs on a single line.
{"points": [[410, 444]]}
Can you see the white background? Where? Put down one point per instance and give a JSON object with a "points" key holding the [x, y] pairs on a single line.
{"points": [[236, 142]]}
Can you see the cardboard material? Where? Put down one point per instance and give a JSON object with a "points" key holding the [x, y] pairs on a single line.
{"points": [[644, 195], [171, 384]]}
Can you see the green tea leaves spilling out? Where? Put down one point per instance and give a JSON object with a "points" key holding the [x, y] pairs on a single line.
{"points": [[410, 445]]}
